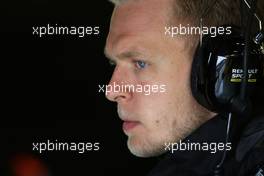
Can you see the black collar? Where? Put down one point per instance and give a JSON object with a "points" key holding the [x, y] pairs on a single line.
{"points": [[194, 162]]}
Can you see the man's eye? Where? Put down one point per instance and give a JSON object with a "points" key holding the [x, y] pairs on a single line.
{"points": [[140, 64]]}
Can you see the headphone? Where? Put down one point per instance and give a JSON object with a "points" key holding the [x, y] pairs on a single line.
{"points": [[217, 75], [227, 74]]}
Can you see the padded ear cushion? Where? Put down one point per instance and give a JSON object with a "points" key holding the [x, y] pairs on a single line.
{"points": [[199, 81], [209, 82]]}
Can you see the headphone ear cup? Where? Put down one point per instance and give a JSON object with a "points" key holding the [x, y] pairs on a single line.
{"points": [[212, 68], [217, 73], [199, 84]]}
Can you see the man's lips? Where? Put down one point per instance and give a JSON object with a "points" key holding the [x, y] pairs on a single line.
{"points": [[129, 125]]}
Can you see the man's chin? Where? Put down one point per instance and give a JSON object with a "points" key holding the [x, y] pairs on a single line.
{"points": [[144, 148]]}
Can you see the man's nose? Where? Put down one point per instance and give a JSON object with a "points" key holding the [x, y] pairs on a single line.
{"points": [[116, 89]]}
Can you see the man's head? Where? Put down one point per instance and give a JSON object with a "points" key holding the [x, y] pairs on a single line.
{"points": [[145, 56]]}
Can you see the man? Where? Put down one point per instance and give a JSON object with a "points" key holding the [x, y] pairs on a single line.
{"points": [[144, 55]]}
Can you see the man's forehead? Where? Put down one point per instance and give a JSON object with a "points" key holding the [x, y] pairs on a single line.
{"points": [[141, 23], [137, 16], [136, 19]]}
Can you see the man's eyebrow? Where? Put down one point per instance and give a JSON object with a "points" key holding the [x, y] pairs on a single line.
{"points": [[128, 54], [123, 55]]}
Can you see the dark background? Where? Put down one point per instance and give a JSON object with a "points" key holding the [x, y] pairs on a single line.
{"points": [[50, 90]]}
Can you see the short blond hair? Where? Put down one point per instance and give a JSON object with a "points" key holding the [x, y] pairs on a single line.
{"points": [[213, 12]]}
